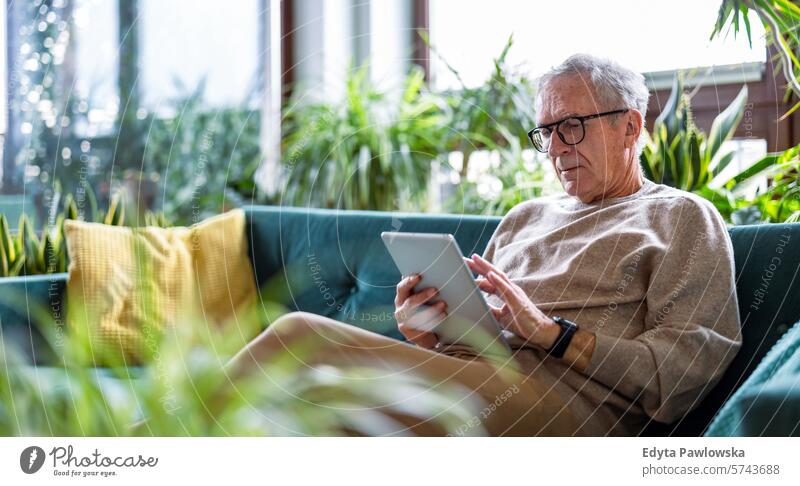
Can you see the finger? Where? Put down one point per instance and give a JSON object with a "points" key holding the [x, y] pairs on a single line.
{"points": [[485, 285], [521, 295], [428, 341], [499, 311], [419, 298], [500, 314], [420, 338], [487, 266], [428, 318], [476, 267], [404, 288], [505, 291], [482, 266]]}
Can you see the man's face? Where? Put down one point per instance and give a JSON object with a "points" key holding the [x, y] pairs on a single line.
{"points": [[599, 164]]}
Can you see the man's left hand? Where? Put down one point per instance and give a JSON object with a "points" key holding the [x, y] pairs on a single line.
{"points": [[518, 314]]}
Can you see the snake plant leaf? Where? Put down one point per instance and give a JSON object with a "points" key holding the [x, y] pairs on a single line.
{"points": [[682, 161], [3, 260], [671, 171], [695, 160], [70, 207], [62, 259], [723, 162], [58, 228], [765, 163], [45, 255], [116, 211], [16, 268], [112, 209], [647, 156], [5, 235], [30, 244], [669, 117], [725, 124], [94, 208]]}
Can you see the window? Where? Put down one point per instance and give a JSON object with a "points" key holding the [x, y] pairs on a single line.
{"points": [[93, 84], [645, 36], [746, 153], [94, 57], [2, 78], [184, 43]]}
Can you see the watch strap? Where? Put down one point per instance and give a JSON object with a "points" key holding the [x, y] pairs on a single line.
{"points": [[565, 334]]}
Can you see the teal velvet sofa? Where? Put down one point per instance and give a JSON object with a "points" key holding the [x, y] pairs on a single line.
{"points": [[334, 263]]}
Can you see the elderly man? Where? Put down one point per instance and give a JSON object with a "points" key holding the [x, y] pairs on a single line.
{"points": [[617, 296]]}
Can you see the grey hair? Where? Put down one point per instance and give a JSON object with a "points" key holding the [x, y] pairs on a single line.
{"points": [[615, 86]]}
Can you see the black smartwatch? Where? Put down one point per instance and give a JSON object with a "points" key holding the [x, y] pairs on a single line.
{"points": [[568, 329]]}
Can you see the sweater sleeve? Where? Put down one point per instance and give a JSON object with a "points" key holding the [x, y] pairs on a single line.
{"points": [[692, 321]]}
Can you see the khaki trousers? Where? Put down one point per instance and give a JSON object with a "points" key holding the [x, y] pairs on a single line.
{"points": [[511, 403]]}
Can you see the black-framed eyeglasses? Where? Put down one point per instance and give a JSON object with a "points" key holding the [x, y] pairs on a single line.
{"points": [[570, 130]]}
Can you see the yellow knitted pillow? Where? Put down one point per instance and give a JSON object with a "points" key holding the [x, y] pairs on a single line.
{"points": [[130, 283]]}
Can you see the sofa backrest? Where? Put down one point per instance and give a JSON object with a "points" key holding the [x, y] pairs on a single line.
{"points": [[334, 263]]}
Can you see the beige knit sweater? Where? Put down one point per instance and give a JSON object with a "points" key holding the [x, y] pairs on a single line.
{"points": [[652, 275]]}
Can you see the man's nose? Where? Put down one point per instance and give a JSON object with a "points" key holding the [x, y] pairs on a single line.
{"points": [[557, 147]]}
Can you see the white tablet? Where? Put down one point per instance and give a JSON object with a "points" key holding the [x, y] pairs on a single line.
{"points": [[439, 260]]}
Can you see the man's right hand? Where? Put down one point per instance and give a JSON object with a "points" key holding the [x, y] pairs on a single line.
{"points": [[411, 319]]}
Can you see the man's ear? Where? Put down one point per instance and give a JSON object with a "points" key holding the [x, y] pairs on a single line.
{"points": [[633, 126]]}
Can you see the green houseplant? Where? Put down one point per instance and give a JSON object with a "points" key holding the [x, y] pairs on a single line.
{"points": [[365, 151], [184, 387], [25, 252], [205, 157], [679, 154], [513, 178], [780, 201], [780, 19], [492, 117], [491, 114]]}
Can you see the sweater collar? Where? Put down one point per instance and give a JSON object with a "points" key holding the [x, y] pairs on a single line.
{"points": [[646, 185]]}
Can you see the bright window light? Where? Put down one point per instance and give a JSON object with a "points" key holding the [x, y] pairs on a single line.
{"points": [[646, 36]]}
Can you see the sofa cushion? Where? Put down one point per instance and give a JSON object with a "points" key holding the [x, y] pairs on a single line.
{"points": [[768, 402], [130, 283]]}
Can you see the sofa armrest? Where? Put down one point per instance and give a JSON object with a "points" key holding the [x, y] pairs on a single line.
{"points": [[771, 410], [27, 304]]}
